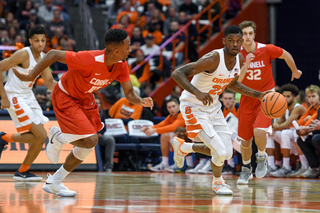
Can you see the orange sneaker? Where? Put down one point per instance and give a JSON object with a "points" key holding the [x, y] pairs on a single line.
{"points": [[221, 188], [178, 156]]}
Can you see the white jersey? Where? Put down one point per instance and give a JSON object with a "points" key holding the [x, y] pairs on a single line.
{"points": [[287, 113], [213, 83], [14, 84]]}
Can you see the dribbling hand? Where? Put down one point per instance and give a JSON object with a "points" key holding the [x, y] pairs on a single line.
{"points": [[147, 102], [5, 103], [22, 77]]}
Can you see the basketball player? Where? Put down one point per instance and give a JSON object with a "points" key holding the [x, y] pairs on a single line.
{"points": [[17, 97], [201, 108], [252, 122], [74, 104], [284, 134]]}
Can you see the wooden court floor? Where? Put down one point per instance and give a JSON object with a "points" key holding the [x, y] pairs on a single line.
{"points": [[136, 192]]}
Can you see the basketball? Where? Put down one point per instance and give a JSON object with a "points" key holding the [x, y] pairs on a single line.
{"points": [[273, 105]]}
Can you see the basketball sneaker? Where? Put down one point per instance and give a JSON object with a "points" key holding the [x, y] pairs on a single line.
{"points": [[54, 146], [281, 172], [245, 175], [26, 176], [158, 168], [206, 169], [3, 143], [228, 170], [171, 168], [57, 188], [221, 188], [195, 170], [262, 165], [311, 173], [299, 172], [178, 156]]}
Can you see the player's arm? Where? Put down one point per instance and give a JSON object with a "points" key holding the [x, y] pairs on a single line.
{"points": [[238, 87], [133, 97], [203, 64], [295, 114], [48, 78], [17, 58], [244, 67], [290, 62], [51, 57]]}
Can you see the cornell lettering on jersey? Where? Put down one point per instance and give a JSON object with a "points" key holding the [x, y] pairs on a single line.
{"points": [[256, 64], [98, 82]]}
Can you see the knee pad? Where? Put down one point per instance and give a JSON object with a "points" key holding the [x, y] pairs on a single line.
{"points": [[82, 153]]}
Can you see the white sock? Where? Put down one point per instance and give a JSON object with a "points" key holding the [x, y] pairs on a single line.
{"points": [[165, 161], [304, 161], [231, 162], [217, 179], [246, 162], [186, 147], [189, 160], [271, 162], [60, 174], [286, 163], [203, 160], [261, 153]]}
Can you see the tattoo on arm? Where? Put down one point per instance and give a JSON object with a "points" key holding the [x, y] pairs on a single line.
{"points": [[244, 90]]}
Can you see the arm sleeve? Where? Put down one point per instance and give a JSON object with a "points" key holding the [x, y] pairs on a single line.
{"points": [[165, 122], [274, 51], [179, 122], [123, 70], [82, 61], [301, 120]]}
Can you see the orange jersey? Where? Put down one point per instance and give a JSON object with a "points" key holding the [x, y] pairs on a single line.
{"points": [[259, 74], [88, 72], [170, 124], [235, 111], [313, 112], [124, 109]]}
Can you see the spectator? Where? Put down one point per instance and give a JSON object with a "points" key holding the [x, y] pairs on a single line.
{"points": [[143, 73], [166, 130], [151, 29], [137, 40], [40, 93], [113, 11], [190, 8], [49, 100], [55, 41], [124, 24], [58, 66], [172, 16], [57, 22], [9, 18], [25, 24], [152, 4], [157, 18], [24, 10], [106, 142], [45, 12], [12, 33], [176, 92], [126, 10]]}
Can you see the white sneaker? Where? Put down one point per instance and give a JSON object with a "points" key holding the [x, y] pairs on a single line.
{"points": [[262, 165], [206, 169], [178, 156], [221, 188], [171, 168], [54, 146], [158, 168], [195, 170], [57, 188], [299, 172], [245, 175]]}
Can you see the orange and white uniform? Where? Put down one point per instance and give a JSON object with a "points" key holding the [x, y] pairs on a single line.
{"points": [[199, 117], [24, 108], [258, 77], [72, 99]]}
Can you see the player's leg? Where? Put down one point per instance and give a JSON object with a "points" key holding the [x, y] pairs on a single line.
{"points": [[270, 151], [165, 146]]}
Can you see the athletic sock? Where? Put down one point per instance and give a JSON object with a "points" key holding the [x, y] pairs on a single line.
{"points": [[189, 160], [286, 163], [23, 168], [271, 162], [261, 153], [217, 179], [231, 162], [60, 174], [304, 161], [8, 137]]}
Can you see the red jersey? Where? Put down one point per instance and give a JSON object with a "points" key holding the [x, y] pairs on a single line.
{"points": [[259, 74], [88, 72]]}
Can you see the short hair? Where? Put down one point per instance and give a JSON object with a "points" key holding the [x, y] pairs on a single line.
{"points": [[245, 24], [229, 91], [313, 88], [173, 99], [37, 29], [232, 29], [115, 37], [290, 88]]}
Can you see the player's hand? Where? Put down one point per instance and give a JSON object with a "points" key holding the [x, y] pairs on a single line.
{"points": [[5, 103], [307, 118], [250, 57], [22, 77], [263, 94], [315, 125], [150, 131], [143, 129], [205, 98], [275, 126], [296, 75], [147, 102]]}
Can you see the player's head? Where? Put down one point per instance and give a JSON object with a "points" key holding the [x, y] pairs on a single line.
{"points": [[249, 31], [173, 106], [313, 94], [37, 38], [290, 92], [232, 40], [117, 43], [228, 98]]}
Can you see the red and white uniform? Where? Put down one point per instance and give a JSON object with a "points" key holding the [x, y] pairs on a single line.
{"points": [[258, 77], [72, 99]]}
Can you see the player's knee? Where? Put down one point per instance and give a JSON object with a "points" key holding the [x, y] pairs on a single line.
{"points": [[81, 153], [165, 137], [229, 153], [91, 141], [218, 160], [258, 133], [41, 137]]}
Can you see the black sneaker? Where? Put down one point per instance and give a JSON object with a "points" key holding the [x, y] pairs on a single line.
{"points": [[3, 143], [26, 176]]}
